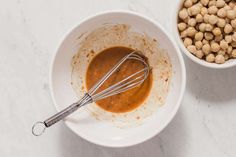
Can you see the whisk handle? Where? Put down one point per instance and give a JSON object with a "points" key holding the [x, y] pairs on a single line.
{"points": [[60, 115]]}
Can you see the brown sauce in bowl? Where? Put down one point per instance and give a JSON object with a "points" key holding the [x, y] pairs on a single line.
{"points": [[101, 64]]}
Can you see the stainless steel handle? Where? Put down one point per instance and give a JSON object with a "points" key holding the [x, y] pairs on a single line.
{"points": [[60, 115]]}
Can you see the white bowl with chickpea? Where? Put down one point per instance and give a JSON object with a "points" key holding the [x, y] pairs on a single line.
{"points": [[206, 31]]}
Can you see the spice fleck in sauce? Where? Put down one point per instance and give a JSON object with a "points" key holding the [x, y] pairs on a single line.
{"points": [[101, 64]]}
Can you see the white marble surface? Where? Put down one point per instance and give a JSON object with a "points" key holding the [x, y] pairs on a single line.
{"points": [[30, 31]]}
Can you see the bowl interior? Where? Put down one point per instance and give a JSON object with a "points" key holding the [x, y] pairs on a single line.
{"points": [[100, 132], [227, 64]]}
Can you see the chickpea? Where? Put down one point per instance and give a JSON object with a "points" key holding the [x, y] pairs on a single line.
{"points": [[213, 19], [191, 31], [231, 14], [221, 23], [183, 14], [206, 48], [233, 23], [208, 36], [231, 4], [187, 42], [199, 4], [186, 20], [182, 26], [206, 18], [233, 44], [229, 50], [219, 59], [215, 47], [210, 58], [212, 41], [202, 27], [234, 36], [204, 2], [226, 57], [192, 49], [209, 27], [199, 18], [195, 9], [218, 38], [221, 52], [212, 3], [192, 22], [204, 41], [183, 34], [233, 53], [216, 31], [228, 29], [189, 11], [228, 38], [194, 1], [212, 10], [220, 3], [221, 13], [199, 36], [223, 45], [198, 45], [204, 11], [199, 54], [188, 3], [226, 7]]}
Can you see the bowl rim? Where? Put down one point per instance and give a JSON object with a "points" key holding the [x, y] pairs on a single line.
{"points": [[182, 67], [187, 53]]}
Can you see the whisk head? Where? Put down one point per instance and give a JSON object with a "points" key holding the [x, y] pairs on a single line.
{"points": [[131, 81]]}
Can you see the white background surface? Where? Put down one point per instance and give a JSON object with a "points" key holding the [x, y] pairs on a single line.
{"points": [[31, 30]]}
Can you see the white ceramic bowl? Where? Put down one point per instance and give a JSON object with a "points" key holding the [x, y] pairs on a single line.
{"points": [[99, 132], [227, 64]]}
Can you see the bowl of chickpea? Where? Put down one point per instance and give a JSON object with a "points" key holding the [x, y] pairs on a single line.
{"points": [[206, 31]]}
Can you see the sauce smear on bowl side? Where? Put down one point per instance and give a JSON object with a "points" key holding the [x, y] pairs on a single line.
{"points": [[101, 64]]}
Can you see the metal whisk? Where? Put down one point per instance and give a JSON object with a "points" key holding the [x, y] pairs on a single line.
{"points": [[127, 83]]}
